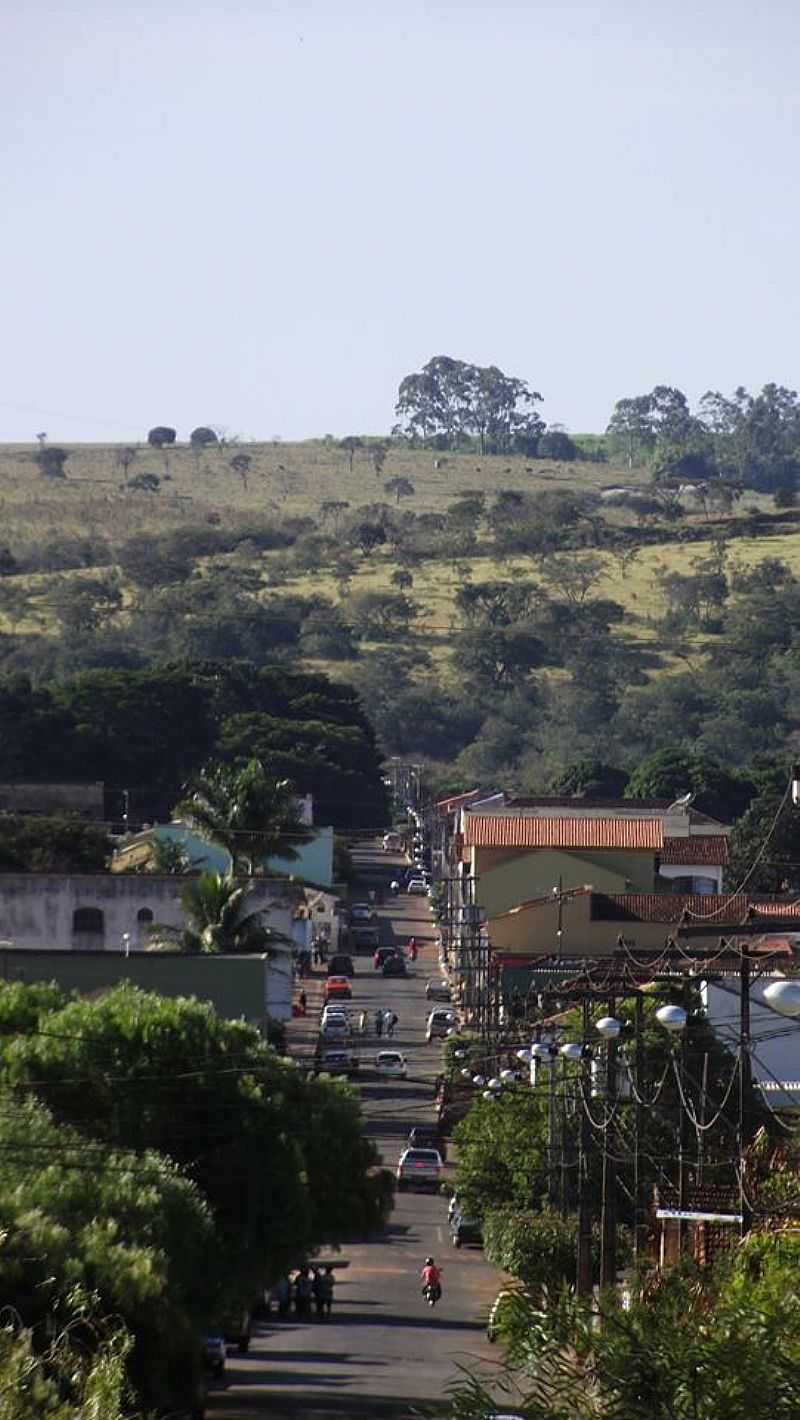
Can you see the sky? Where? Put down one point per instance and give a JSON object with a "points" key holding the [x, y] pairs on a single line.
{"points": [[262, 215]]}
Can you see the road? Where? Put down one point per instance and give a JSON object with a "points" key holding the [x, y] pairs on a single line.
{"points": [[383, 1351]]}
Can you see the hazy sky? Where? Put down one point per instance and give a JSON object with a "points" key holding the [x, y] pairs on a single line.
{"points": [[262, 214]]}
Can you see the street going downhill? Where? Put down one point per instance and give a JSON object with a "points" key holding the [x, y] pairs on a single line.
{"points": [[384, 1351]]}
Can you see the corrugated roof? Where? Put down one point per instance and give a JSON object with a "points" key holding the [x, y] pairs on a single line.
{"points": [[580, 805], [526, 831], [708, 849]]}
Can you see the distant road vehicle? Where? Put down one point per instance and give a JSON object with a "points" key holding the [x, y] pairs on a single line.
{"points": [[419, 1168], [341, 965], [438, 991], [362, 912], [439, 1023], [364, 937], [391, 1063], [465, 1230], [394, 965], [337, 986], [338, 1062], [417, 887], [392, 842]]}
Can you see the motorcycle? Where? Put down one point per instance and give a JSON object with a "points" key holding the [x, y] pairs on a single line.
{"points": [[432, 1293]]}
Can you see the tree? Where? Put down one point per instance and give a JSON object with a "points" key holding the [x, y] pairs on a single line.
{"points": [[145, 482], [161, 436], [150, 561], [214, 904], [250, 813], [83, 606], [382, 615], [367, 536], [450, 401], [240, 463], [499, 657], [671, 772], [202, 437], [556, 444], [351, 444], [58, 844], [402, 579], [400, 487], [571, 577], [590, 779], [51, 461], [125, 457], [378, 453], [332, 510]]}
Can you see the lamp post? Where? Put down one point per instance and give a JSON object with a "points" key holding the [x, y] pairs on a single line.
{"points": [[610, 1029], [583, 1054], [674, 1019]]}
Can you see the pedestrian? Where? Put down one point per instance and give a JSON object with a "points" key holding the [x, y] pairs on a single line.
{"points": [[323, 953], [281, 1295], [362, 1023], [379, 1024], [317, 1289], [326, 1289], [389, 1019], [412, 948], [303, 1002], [302, 1294], [315, 952]]}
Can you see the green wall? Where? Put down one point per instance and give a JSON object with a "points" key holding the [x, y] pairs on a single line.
{"points": [[536, 873], [235, 986]]}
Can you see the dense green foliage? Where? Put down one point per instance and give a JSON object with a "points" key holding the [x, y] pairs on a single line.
{"points": [[61, 844], [246, 811], [690, 1346], [150, 730]]}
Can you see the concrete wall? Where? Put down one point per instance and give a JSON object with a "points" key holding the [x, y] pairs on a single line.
{"points": [[39, 909], [252, 987], [86, 800], [507, 878]]}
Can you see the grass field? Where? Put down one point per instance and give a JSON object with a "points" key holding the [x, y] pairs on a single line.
{"points": [[93, 502]]}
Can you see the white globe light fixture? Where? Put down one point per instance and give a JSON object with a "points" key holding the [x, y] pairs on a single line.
{"points": [[489, 1095], [672, 1018], [495, 1083], [572, 1050], [508, 1077], [479, 1081], [525, 1056], [784, 997], [609, 1027], [466, 1074], [545, 1053]]}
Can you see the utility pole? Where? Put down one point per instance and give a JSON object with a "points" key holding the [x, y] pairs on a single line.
{"points": [[745, 1085], [638, 1209], [608, 1219], [584, 1260]]}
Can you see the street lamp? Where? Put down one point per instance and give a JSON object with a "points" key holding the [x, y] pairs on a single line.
{"points": [[525, 1056], [489, 1095], [479, 1081], [783, 997], [495, 1084], [467, 1074], [609, 1027], [672, 1018], [508, 1077]]}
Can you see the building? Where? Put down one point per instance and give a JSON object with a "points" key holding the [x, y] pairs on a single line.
{"points": [[85, 800], [254, 988], [100, 912], [313, 864], [525, 848]]}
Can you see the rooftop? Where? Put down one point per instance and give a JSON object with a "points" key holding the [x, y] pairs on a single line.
{"points": [[509, 830], [670, 908]]}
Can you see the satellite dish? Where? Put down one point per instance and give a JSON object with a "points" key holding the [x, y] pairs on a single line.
{"points": [[682, 803]]}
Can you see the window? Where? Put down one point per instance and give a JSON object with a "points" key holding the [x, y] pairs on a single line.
{"points": [[88, 919], [88, 929], [144, 917]]}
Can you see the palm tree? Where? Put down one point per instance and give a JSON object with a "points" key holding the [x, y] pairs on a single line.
{"points": [[216, 921], [247, 811]]}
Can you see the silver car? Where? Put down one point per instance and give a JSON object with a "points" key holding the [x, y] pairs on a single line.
{"points": [[419, 1168]]}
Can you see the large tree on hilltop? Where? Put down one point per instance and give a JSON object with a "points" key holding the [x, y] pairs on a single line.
{"points": [[449, 400]]}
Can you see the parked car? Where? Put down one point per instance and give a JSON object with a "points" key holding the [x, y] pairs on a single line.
{"points": [[392, 842], [335, 1028], [364, 938], [394, 965], [465, 1230], [341, 965], [427, 1136], [439, 1022], [337, 1062], [391, 1063], [214, 1353], [438, 991], [381, 954], [362, 912], [337, 986], [419, 1168], [417, 887]]}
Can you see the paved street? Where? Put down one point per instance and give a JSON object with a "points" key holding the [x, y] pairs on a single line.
{"points": [[383, 1349]]}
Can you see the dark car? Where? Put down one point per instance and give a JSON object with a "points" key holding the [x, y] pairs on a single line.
{"points": [[394, 965], [237, 1327], [381, 954], [465, 1230], [214, 1353], [341, 965], [364, 938], [426, 1136]]}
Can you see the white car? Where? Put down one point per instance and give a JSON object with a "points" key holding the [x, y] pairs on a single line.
{"points": [[391, 1063], [417, 887], [439, 1023], [419, 1167], [334, 1028], [361, 912], [438, 991]]}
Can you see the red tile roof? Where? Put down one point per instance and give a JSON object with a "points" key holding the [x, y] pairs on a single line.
{"points": [[455, 801], [708, 849], [669, 907], [530, 831]]}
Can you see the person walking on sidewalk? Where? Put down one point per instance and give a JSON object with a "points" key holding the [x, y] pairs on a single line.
{"points": [[379, 1024], [302, 1001]]}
